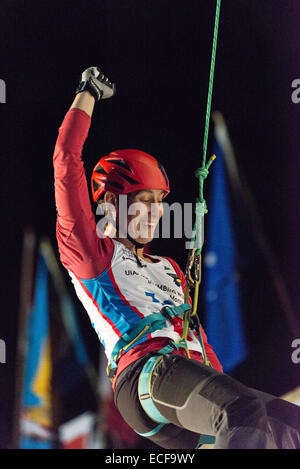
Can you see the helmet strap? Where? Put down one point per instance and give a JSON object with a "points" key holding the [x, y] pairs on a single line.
{"points": [[137, 245]]}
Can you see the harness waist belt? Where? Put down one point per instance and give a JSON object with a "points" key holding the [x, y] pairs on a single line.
{"points": [[148, 324]]}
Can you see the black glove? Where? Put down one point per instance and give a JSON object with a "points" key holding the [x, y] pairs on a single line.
{"points": [[94, 81]]}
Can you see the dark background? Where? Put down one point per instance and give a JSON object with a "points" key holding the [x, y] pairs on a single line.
{"points": [[158, 53]]}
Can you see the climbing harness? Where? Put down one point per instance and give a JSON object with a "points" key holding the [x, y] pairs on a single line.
{"points": [[146, 325], [156, 321]]}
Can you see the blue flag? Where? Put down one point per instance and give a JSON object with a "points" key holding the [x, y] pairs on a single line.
{"points": [[36, 400], [51, 305], [223, 315]]}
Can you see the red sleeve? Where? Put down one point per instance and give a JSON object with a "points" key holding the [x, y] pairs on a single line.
{"points": [[81, 250], [212, 357]]}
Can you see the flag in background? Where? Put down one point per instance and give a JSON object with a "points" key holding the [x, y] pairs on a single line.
{"points": [[36, 419], [74, 373], [223, 315], [63, 371], [66, 402]]}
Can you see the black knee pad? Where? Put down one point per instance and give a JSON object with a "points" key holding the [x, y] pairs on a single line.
{"points": [[173, 380], [185, 391], [175, 377]]}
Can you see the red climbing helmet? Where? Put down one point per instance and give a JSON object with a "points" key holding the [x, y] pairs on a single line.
{"points": [[125, 171]]}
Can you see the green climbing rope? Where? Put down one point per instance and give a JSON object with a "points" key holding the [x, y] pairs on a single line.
{"points": [[202, 172], [211, 81], [194, 258]]}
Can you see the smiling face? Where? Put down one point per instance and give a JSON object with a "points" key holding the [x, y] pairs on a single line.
{"points": [[144, 210]]}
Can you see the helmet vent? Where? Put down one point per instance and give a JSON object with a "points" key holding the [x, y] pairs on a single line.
{"points": [[128, 178], [100, 170], [95, 186], [120, 163], [163, 173]]}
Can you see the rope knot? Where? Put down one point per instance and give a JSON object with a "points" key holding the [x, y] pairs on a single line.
{"points": [[202, 173]]}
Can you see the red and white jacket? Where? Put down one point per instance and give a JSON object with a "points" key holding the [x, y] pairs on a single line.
{"points": [[113, 289]]}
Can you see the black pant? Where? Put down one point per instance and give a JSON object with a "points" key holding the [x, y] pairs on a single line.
{"points": [[198, 399]]}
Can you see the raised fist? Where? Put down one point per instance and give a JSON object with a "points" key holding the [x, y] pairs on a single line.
{"points": [[94, 81]]}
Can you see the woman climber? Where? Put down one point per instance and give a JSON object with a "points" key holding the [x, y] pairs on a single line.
{"points": [[135, 302]]}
